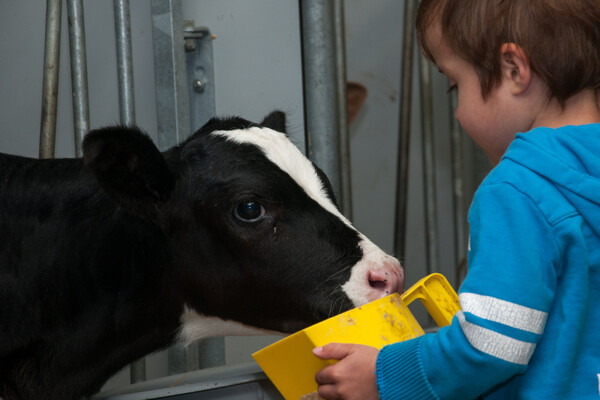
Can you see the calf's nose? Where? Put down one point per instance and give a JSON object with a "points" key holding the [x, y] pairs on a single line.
{"points": [[376, 275], [386, 279]]}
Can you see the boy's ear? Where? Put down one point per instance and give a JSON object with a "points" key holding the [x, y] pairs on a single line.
{"points": [[516, 71]]}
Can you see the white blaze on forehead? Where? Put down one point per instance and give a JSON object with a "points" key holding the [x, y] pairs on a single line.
{"points": [[283, 153]]}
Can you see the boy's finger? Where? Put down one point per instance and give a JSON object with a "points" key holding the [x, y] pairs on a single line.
{"points": [[327, 392], [333, 351], [325, 377]]}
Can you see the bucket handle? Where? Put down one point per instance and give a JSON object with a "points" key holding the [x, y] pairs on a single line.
{"points": [[438, 297]]}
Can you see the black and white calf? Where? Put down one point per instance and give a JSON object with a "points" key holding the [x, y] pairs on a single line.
{"points": [[105, 259]]}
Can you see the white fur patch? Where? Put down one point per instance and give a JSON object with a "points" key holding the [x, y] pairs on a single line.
{"points": [[358, 288], [196, 326], [289, 158]]}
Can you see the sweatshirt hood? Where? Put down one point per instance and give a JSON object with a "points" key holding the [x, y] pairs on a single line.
{"points": [[570, 158]]}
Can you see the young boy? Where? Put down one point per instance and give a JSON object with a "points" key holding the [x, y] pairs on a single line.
{"points": [[527, 75]]}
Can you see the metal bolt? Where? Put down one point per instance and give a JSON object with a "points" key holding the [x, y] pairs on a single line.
{"points": [[199, 85], [190, 44]]}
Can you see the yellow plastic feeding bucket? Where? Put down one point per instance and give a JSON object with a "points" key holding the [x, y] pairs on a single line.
{"points": [[291, 365]]}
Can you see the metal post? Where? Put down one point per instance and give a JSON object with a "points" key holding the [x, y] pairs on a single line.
{"points": [[344, 134], [404, 134], [171, 103], [320, 88], [50, 79], [81, 112], [170, 74], [124, 62], [137, 369], [200, 74], [173, 113], [458, 191], [210, 352], [430, 192]]}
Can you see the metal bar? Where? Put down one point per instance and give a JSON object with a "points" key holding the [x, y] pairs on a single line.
{"points": [[458, 191], [50, 78], [170, 74], [344, 134], [431, 237], [200, 74], [210, 352], [178, 360], [79, 83], [320, 88], [204, 384], [137, 369], [404, 132], [124, 62], [173, 113]]}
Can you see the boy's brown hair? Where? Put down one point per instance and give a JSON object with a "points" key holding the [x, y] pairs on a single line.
{"points": [[561, 38]]}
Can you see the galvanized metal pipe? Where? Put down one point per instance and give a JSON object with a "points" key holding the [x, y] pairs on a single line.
{"points": [[170, 75], [458, 191], [173, 115], [137, 369], [79, 82], [124, 62], [429, 175], [344, 133], [50, 78], [404, 126], [320, 88]]}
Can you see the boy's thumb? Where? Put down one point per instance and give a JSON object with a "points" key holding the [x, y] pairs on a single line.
{"points": [[333, 351]]}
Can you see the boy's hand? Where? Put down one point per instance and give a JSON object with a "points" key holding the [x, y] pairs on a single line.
{"points": [[353, 377]]}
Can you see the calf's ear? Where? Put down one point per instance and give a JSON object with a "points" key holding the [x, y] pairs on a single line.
{"points": [[275, 121], [129, 168]]}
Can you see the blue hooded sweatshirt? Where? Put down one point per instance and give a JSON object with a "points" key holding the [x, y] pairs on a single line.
{"points": [[529, 327]]}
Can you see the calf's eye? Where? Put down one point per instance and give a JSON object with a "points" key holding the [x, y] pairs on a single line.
{"points": [[249, 211]]}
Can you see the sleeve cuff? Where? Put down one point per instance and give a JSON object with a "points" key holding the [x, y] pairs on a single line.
{"points": [[400, 372]]}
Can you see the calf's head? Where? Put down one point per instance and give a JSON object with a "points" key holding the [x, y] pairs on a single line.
{"points": [[254, 232]]}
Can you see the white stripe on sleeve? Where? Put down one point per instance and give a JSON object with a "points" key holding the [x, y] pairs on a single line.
{"points": [[496, 344], [504, 312]]}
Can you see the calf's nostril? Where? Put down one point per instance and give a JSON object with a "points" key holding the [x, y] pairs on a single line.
{"points": [[377, 285], [379, 280]]}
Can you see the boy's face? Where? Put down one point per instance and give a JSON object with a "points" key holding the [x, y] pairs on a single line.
{"points": [[489, 123]]}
